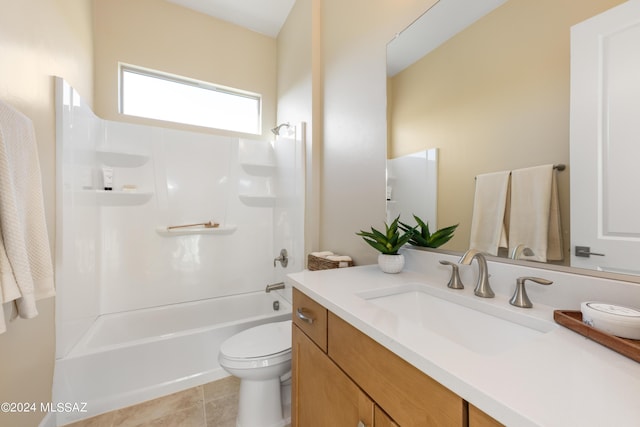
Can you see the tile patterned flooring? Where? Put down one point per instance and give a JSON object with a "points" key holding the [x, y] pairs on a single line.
{"points": [[210, 405]]}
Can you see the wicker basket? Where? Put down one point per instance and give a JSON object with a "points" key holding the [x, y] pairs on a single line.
{"points": [[318, 263]]}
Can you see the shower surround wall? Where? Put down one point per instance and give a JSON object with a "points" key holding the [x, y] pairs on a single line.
{"points": [[114, 253], [113, 256]]}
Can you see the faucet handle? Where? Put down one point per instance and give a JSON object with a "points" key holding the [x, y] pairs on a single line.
{"points": [[283, 259], [520, 297], [454, 282]]}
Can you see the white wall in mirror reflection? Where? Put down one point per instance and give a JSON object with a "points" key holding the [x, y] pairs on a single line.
{"points": [[412, 187]]}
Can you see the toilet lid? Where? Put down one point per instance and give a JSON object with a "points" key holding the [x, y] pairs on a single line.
{"points": [[259, 341]]}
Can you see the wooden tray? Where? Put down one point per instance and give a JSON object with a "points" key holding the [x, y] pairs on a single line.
{"points": [[573, 320]]}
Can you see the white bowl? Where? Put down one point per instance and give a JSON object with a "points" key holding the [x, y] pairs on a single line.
{"points": [[613, 319]]}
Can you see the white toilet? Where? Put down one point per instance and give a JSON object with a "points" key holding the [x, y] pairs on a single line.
{"points": [[261, 358]]}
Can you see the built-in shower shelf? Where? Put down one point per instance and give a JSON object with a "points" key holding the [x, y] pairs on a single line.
{"points": [[259, 169], [258, 200], [121, 159], [122, 198], [223, 229]]}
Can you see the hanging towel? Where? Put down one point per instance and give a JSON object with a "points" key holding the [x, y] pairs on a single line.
{"points": [[555, 243], [26, 271], [535, 215], [487, 224]]}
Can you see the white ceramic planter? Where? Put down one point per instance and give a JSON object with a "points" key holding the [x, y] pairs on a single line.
{"points": [[391, 263]]}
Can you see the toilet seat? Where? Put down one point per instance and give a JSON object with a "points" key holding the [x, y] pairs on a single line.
{"points": [[261, 346]]}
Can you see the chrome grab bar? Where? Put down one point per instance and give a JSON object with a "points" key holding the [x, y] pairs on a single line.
{"points": [[209, 224]]}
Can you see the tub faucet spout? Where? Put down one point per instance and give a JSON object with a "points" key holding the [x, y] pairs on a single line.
{"points": [[274, 287], [483, 288]]}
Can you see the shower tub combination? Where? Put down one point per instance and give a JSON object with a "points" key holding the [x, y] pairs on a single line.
{"points": [[127, 358], [125, 329]]}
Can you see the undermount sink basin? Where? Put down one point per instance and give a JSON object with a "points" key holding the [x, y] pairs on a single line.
{"points": [[479, 325]]}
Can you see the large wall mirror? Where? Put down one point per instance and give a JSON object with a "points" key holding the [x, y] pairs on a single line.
{"points": [[487, 84]]}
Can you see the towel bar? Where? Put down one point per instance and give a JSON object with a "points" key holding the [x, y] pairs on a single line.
{"points": [[559, 167]]}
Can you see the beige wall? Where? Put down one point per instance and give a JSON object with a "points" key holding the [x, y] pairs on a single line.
{"points": [[163, 36], [354, 39], [495, 97], [39, 39], [331, 69], [298, 80]]}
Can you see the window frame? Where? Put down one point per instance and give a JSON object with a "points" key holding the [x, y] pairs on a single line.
{"points": [[174, 78]]}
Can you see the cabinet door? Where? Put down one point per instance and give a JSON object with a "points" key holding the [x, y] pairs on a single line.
{"points": [[381, 419], [322, 395], [477, 418], [408, 395]]}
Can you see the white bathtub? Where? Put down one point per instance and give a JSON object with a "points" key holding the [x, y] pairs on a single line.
{"points": [[127, 358]]}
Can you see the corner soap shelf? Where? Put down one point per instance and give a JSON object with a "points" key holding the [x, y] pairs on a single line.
{"points": [[258, 169], [258, 200], [223, 229]]}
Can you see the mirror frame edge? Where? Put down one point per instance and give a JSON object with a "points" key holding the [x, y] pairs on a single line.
{"points": [[541, 266]]}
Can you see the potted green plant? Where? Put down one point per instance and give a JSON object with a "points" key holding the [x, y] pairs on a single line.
{"points": [[422, 237], [388, 244]]}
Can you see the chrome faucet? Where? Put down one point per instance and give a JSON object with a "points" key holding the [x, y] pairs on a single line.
{"points": [[520, 297], [274, 287], [520, 250], [454, 281], [483, 288]]}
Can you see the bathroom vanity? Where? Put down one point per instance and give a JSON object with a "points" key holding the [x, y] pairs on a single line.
{"points": [[343, 377], [363, 357]]}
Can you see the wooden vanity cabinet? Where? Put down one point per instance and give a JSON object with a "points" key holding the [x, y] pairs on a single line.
{"points": [[477, 418], [409, 396], [381, 419], [323, 395], [341, 377]]}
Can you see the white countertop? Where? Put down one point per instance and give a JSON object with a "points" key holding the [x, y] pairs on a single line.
{"points": [[559, 378]]}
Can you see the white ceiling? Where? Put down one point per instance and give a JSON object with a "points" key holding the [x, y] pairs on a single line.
{"points": [[263, 16], [441, 22], [445, 19]]}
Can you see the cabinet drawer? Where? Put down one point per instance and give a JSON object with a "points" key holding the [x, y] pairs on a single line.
{"points": [[404, 392], [311, 318]]}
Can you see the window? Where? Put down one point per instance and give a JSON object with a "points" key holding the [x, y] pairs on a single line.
{"points": [[155, 95]]}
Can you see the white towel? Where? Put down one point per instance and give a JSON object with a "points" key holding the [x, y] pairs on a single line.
{"points": [[343, 260], [487, 224], [322, 254], [532, 192], [555, 242], [26, 271]]}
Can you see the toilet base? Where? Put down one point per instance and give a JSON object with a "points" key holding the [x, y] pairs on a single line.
{"points": [[260, 404]]}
